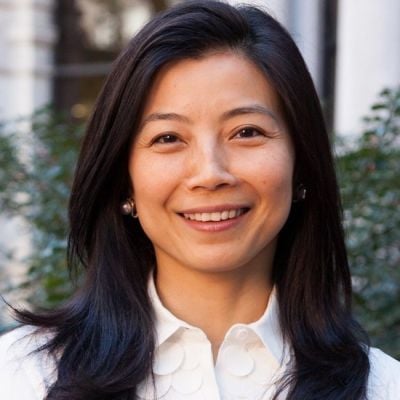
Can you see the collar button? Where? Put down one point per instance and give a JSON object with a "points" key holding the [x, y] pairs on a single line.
{"points": [[242, 334]]}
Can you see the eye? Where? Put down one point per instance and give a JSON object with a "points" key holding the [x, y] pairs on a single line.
{"points": [[248, 132], [166, 139]]}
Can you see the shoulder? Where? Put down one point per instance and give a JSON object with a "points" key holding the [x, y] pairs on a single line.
{"points": [[384, 379], [15, 344], [24, 373]]}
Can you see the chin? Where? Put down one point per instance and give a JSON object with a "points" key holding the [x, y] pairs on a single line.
{"points": [[218, 266]]}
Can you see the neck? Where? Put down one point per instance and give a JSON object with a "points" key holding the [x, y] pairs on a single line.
{"points": [[214, 301]]}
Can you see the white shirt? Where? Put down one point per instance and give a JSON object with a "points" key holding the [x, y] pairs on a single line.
{"points": [[250, 360]]}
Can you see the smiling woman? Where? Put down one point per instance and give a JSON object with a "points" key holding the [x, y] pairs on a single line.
{"points": [[205, 210], [221, 168]]}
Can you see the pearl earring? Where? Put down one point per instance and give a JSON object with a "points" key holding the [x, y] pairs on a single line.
{"points": [[301, 193], [128, 207]]}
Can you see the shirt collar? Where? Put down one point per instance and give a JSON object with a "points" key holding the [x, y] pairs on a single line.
{"points": [[269, 331], [166, 322], [267, 327]]}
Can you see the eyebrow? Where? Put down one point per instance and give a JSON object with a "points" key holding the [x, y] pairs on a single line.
{"points": [[251, 109]]}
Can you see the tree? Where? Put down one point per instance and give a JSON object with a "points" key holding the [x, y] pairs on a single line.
{"points": [[38, 189], [369, 175]]}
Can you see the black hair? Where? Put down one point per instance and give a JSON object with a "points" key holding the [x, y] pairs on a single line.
{"points": [[104, 336]]}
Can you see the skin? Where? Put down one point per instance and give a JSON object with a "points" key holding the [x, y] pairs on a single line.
{"points": [[192, 152]]}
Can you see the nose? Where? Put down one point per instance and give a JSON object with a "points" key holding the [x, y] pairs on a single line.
{"points": [[209, 167]]}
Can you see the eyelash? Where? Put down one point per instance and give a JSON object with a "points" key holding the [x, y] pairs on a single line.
{"points": [[251, 129], [160, 139]]}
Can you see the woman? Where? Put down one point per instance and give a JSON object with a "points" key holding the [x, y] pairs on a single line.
{"points": [[205, 210]]}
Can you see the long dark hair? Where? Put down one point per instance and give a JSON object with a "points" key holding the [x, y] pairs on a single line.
{"points": [[103, 336]]}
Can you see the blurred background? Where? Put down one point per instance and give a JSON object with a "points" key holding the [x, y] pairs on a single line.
{"points": [[54, 57]]}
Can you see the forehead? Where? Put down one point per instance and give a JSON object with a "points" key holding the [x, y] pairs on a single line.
{"points": [[214, 79]]}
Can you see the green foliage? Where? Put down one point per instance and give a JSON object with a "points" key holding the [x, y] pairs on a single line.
{"points": [[369, 173], [11, 171], [35, 181]]}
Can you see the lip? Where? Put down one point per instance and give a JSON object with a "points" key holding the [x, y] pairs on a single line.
{"points": [[214, 226]]}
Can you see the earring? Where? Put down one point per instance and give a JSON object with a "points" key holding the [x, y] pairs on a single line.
{"points": [[301, 192], [128, 207]]}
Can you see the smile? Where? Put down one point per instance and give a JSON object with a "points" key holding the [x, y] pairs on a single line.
{"points": [[215, 216]]}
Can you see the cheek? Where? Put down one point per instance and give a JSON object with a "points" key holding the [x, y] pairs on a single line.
{"points": [[272, 173], [276, 189], [153, 179]]}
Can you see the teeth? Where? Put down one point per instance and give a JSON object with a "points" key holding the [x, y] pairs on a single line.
{"points": [[215, 216], [205, 217]]}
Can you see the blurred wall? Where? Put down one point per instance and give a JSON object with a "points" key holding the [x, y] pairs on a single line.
{"points": [[27, 37], [368, 58]]}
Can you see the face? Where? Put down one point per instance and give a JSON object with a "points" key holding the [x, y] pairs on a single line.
{"points": [[212, 166]]}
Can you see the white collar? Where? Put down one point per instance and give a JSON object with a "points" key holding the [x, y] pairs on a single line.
{"points": [[267, 328]]}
